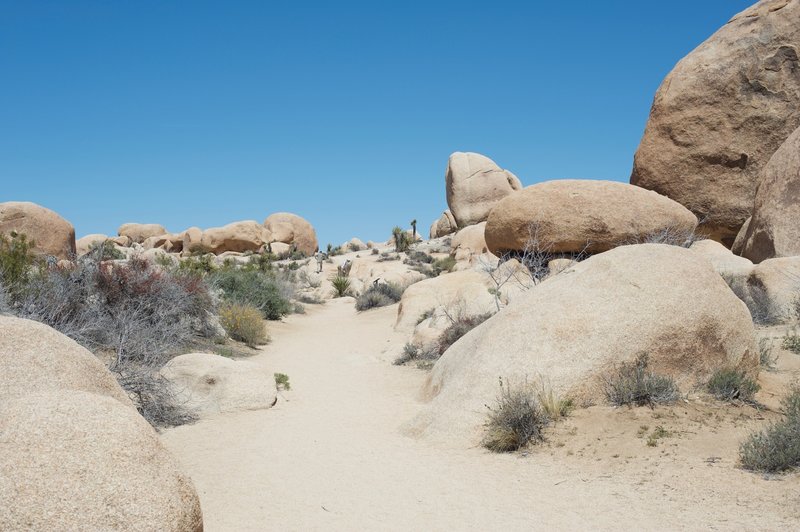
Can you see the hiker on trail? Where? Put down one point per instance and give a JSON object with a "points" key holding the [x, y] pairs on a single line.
{"points": [[320, 258], [344, 269]]}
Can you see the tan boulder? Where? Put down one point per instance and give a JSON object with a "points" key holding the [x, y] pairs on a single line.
{"points": [[771, 290], [75, 460], [774, 229], [724, 261], [37, 358], [738, 244], [365, 271], [444, 226], [720, 115], [469, 243], [474, 184], [210, 384], [354, 244], [138, 233], [192, 241], [662, 300], [168, 242], [573, 216], [292, 229], [84, 244], [52, 234], [123, 241], [280, 249], [247, 235]]}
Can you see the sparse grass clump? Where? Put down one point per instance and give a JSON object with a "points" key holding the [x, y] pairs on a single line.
{"points": [[341, 286], [443, 265], [634, 384], [282, 382], [244, 323], [732, 385], [658, 433], [458, 328], [791, 342], [379, 295], [776, 448], [516, 420]]}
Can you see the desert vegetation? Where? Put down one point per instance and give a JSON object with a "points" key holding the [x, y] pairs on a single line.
{"points": [[633, 384], [776, 448], [379, 295]]}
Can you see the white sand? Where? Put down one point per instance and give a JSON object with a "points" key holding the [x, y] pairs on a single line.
{"points": [[332, 458]]}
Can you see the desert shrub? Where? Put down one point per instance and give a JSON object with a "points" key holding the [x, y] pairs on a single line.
{"points": [[443, 265], [776, 448], [375, 251], [268, 292], [282, 381], [135, 315], [516, 420], [431, 312], [766, 358], [419, 256], [732, 384], [17, 263], [261, 262], [379, 295], [458, 328], [402, 240], [333, 251], [386, 257], [634, 384], [198, 264], [791, 342], [555, 406], [105, 251], [671, 236], [244, 323], [341, 286]]}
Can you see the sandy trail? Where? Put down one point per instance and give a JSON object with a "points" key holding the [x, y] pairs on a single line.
{"points": [[330, 457]]}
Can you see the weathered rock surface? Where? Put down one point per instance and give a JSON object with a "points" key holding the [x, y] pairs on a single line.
{"points": [[84, 244], [774, 230], [474, 185], [51, 233], [444, 226], [770, 289], [724, 261], [138, 233], [74, 460], [469, 243], [657, 299], [247, 235], [573, 216], [292, 229], [720, 115], [36, 358], [211, 384]]}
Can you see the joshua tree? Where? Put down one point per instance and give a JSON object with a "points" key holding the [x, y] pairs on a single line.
{"points": [[414, 228]]}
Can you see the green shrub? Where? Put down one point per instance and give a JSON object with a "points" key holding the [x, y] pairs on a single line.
{"points": [[402, 240], [282, 381], [105, 251], [516, 420], [17, 263], [200, 264], [341, 286], [776, 448], [634, 384], [443, 265], [267, 292], [459, 328], [379, 295], [244, 323], [731, 384]]}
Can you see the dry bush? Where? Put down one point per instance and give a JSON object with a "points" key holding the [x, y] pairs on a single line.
{"points": [[634, 384], [379, 295], [516, 420], [732, 385], [459, 326], [670, 236], [244, 323], [777, 448], [269, 291]]}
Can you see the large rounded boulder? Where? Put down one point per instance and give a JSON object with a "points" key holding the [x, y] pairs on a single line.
{"points": [[720, 115], [663, 301], [81, 461], [247, 235], [37, 358], [774, 230], [474, 185], [52, 234], [292, 229], [444, 226], [138, 233], [573, 216], [210, 384]]}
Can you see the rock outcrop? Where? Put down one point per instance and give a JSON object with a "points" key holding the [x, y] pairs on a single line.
{"points": [[774, 229], [138, 233], [247, 235], [665, 301], [84, 244], [474, 185], [573, 216], [211, 384], [292, 229], [52, 234], [720, 115], [444, 226]]}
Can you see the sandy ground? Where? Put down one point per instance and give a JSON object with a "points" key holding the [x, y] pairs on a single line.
{"points": [[329, 455]]}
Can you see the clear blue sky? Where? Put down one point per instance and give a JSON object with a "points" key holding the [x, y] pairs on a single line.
{"points": [[202, 113]]}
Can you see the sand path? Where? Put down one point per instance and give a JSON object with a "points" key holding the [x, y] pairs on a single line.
{"points": [[330, 457]]}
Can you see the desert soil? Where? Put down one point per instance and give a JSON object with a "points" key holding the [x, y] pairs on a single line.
{"points": [[331, 456]]}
